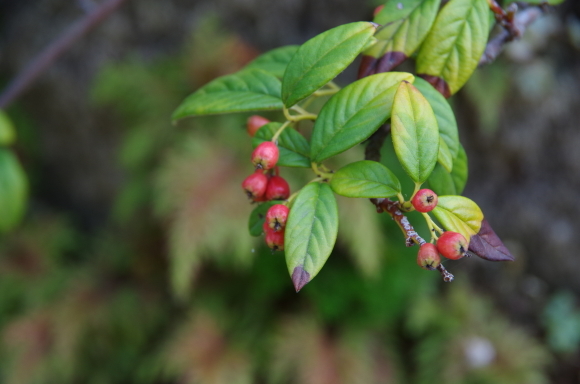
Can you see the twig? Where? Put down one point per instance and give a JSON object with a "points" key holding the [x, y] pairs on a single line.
{"points": [[392, 208], [45, 58], [521, 20]]}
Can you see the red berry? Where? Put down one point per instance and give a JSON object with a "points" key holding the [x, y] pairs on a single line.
{"points": [[265, 156], [255, 185], [254, 123], [275, 240], [424, 200], [378, 9], [428, 257], [277, 189], [277, 216], [452, 245]]}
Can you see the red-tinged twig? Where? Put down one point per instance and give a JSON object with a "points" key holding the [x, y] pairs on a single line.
{"points": [[512, 30], [392, 208], [45, 58]]}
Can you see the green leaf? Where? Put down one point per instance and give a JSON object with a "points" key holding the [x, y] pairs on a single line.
{"points": [[443, 113], [459, 214], [274, 61], [445, 183], [415, 132], [354, 113], [460, 170], [550, 2], [404, 25], [310, 232], [444, 156], [365, 179], [248, 90], [13, 190], [294, 148], [456, 42], [7, 131], [322, 58], [258, 216]]}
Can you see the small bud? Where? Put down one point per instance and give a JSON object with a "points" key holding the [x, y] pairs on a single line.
{"points": [[425, 200], [277, 216], [277, 189], [265, 156], [452, 245], [254, 123], [378, 9], [428, 257], [255, 185]]}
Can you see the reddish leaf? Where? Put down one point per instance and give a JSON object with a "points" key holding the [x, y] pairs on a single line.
{"points": [[487, 245], [438, 83], [389, 61], [367, 66], [300, 278]]}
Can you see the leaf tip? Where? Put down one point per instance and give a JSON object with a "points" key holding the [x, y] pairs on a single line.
{"points": [[300, 278]]}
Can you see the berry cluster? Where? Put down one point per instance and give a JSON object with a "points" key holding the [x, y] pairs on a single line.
{"points": [[265, 184], [450, 244]]}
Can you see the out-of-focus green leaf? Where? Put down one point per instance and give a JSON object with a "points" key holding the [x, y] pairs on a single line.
{"points": [[248, 90], [445, 183], [459, 214], [354, 113], [13, 190], [7, 131], [456, 42], [365, 179], [322, 58], [310, 232], [444, 156], [460, 170], [294, 148], [415, 132], [274, 61]]}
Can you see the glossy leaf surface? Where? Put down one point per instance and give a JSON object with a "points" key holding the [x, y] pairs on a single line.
{"points": [[310, 232], [294, 148], [353, 114], [459, 214], [415, 133], [274, 61], [322, 58], [456, 42], [365, 179], [247, 90]]}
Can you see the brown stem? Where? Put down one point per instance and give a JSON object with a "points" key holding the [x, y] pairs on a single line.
{"points": [[513, 29], [45, 58], [447, 276], [392, 208]]}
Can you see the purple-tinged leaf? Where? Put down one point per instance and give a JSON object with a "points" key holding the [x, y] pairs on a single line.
{"points": [[300, 278], [487, 245]]}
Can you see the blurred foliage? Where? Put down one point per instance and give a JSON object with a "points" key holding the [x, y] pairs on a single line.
{"points": [[174, 290]]}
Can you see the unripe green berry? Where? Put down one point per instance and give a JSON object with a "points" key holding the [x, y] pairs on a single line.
{"points": [[265, 156], [428, 257], [452, 245], [277, 216], [254, 123], [425, 200]]}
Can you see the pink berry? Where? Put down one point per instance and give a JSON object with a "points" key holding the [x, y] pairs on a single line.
{"points": [[277, 216], [277, 189], [428, 256], [452, 245], [265, 156], [254, 123], [255, 185], [425, 200]]}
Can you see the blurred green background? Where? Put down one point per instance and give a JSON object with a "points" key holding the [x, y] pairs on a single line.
{"points": [[133, 263]]}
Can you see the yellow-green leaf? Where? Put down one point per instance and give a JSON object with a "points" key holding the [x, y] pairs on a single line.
{"points": [[459, 214]]}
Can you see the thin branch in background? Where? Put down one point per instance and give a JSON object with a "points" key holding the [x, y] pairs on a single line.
{"points": [[521, 20], [64, 42]]}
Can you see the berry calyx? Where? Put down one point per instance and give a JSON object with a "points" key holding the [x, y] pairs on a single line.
{"points": [[452, 245], [265, 156], [255, 185], [425, 200], [254, 123], [428, 257], [277, 189], [277, 216]]}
